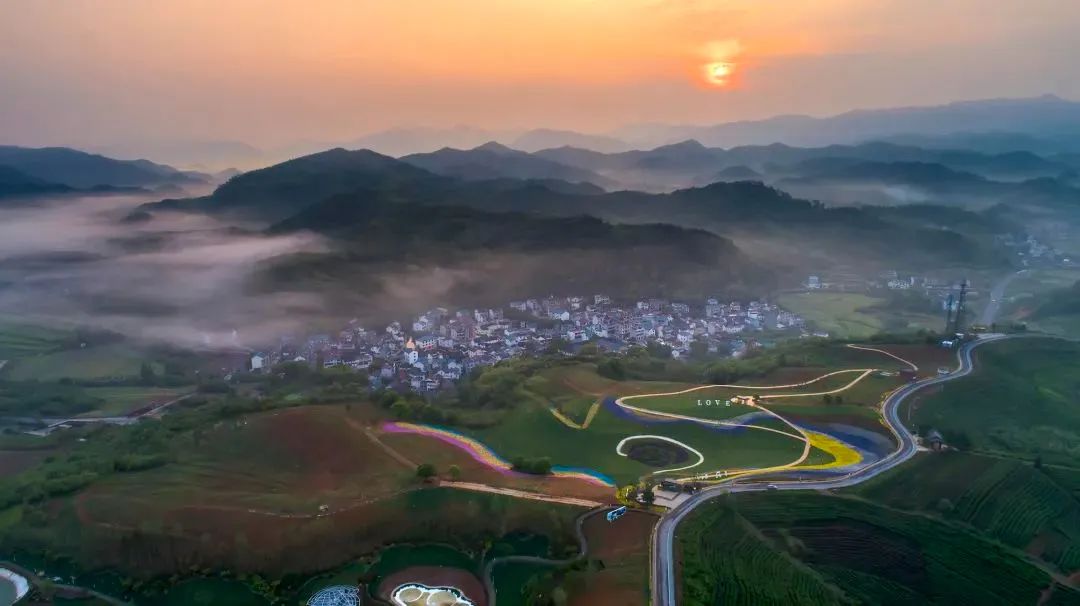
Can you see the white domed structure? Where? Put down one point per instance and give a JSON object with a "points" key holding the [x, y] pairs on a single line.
{"points": [[338, 595]]}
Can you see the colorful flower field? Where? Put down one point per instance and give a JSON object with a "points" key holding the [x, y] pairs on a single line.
{"points": [[484, 455]]}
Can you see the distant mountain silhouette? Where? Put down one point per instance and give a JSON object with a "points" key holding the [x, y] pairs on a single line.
{"points": [[17, 187], [689, 163], [496, 161], [14, 183], [1037, 116], [545, 138], [81, 170], [294, 194]]}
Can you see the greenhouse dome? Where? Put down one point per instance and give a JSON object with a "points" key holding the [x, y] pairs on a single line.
{"points": [[338, 595]]}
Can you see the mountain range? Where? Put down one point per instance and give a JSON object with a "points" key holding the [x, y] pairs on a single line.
{"points": [[1047, 116], [784, 231], [496, 161]]}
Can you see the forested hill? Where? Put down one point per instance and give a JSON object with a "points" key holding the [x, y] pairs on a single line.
{"points": [[280, 191], [80, 170], [386, 257], [790, 228]]}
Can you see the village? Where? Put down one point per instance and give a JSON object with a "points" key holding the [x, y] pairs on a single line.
{"points": [[440, 345]]}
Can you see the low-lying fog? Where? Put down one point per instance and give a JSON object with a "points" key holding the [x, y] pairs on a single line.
{"points": [[175, 278]]}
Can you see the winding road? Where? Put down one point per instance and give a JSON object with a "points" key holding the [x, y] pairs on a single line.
{"points": [[663, 561]]}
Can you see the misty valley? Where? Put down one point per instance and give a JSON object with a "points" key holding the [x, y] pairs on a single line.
{"points": [[553, 368]]}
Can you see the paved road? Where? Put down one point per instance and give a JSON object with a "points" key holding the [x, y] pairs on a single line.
{"points": [[997, 293], [51, 422], [663, 561]]}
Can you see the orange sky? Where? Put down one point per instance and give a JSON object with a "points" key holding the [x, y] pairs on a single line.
{"points": [[274, 71]]}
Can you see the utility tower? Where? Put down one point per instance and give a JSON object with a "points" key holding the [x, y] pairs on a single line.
{"points": [[958, 321], [948, 313]]}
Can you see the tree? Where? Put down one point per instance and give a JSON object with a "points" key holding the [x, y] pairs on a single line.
{"points": [[658, 350], [612, 368], [556, 345], [455, 473], [647, 496], [589, 349], [426, 471], [146, 373], [826, 399]]}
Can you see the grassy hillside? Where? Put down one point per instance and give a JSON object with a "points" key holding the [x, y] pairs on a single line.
{"points": [[1056, 310], [1021, 402]]}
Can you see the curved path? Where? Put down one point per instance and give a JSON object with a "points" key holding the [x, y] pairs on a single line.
{"points": [[583, 550], [663, 580], [798, 432], [621, 444]]}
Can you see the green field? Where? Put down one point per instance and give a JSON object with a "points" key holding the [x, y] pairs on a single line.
{"points": [[854, 315], [1024, 507], [716, 402], [837, 313], [120, 400], [113, 360], [867, 392], [1020, 402], [532, 431], [707, 403], [786, 548], [19, 340]]}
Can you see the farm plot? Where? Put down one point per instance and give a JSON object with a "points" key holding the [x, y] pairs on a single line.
{"points": [[830, 550], [18, 340], [620, 573], [122, 400], [1008, 500], [114, 360]]}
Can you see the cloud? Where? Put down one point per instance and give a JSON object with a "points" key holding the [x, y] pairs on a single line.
{"points": [[180, 279]]}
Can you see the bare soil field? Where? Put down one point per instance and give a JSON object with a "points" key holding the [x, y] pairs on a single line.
{"points": [[622, 549]]}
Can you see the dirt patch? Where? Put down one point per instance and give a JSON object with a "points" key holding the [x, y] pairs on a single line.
{"points": [[620, 552], [604, 590], [436, 576], [616, 540]]}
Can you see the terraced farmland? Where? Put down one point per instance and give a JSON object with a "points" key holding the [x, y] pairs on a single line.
{"points": [[787, 548], [1009, 500], [726, 561], [20, 340]]}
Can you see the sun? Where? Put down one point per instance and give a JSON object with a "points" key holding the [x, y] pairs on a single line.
{"points": [[719, 73]]}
